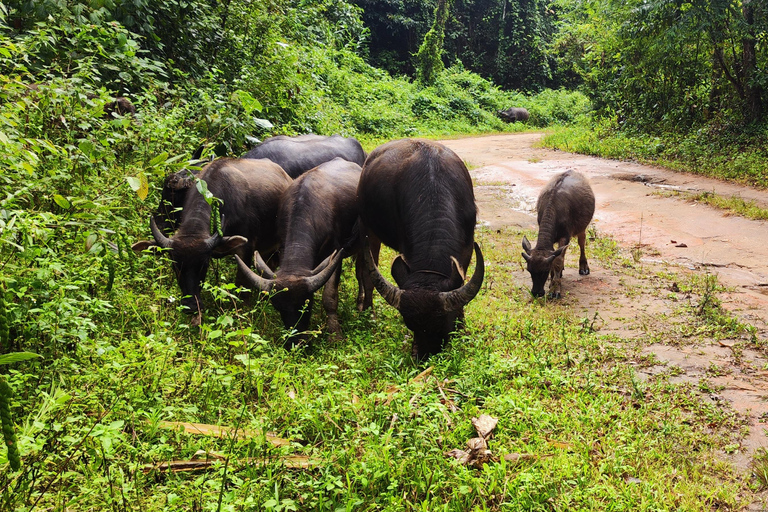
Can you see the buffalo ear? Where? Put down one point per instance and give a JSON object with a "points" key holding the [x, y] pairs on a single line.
{"points": [[144, 245], [526, 245], [561, 250], [229, 244], [400, 270], [456, 268]]}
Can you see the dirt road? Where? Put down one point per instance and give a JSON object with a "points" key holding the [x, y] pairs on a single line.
{"points": [[666, 232]]}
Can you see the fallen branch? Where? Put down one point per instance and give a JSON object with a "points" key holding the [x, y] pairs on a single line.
{"points": [[222, 431], [187, 466]]}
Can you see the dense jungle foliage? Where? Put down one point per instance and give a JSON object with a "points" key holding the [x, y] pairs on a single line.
{"points": [[77, 185]]}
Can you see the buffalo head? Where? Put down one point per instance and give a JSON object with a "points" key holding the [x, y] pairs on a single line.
{"points": [[539, 264], [294, 294], [431, 314], [190, 257]]}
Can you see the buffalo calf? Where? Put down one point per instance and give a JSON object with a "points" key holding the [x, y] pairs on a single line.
{"points": [[565, 208]]}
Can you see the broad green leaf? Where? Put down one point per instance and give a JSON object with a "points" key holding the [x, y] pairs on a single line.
{"points": [[248, 102], [15, 357], [61, 201], [162, 157], [134, 183], [202, 187], [174, 158], [86, 147], [90, 241]]}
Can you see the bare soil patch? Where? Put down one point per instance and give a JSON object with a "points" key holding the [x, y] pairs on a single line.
{"points": [[667, 237]]}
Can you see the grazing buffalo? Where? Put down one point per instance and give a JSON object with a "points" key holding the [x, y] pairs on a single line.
{"points": [[316, 219], [174, 193], [416, 196], [297, 155], [565, 208], [250, 191], [514, 114]]}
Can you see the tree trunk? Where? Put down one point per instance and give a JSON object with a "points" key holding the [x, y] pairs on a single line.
{"points": [[753, 93]]}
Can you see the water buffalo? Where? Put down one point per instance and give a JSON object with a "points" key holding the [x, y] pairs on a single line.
{"points": [[297, 155], [316, 219], [514, 114], [565, 208], [416, 197], [250, 191]]}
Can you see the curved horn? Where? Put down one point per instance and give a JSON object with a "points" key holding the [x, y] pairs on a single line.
{"points": [[265, 285], [161, 240], [213, 241], [262, 266], [390, 293], [460, 297], [322, 274]]}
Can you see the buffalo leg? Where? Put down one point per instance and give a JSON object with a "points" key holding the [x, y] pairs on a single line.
{"points": [[331, 302], [240, 280], [556, 273], [365, 293], [583, 265]]}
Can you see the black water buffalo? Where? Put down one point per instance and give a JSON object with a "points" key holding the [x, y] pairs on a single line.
{"points": [[297, 155], [173, 195], [250, 191], [565, 208], [316, 218], [416, 196], [514, 114]]}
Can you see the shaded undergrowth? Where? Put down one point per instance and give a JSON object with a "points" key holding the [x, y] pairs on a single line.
{"points": [[373, 438]]}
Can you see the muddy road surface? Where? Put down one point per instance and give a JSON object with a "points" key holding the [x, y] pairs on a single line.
{"points": [[661, 231]]}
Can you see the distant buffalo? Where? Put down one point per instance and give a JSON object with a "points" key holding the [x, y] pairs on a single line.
{"points": [[514, 114], [297, 155], [121, 106]]}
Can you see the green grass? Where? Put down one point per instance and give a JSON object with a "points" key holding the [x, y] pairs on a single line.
{"points": [[740, 159], [88, 413]]}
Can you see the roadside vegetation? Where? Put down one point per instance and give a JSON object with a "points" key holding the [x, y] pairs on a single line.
{"points": [[731, 205], [737, 157], [367, 428]]}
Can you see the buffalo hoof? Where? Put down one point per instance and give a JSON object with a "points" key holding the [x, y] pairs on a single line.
{"points": [[584, 272], [332, 324], [554, 295]]}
